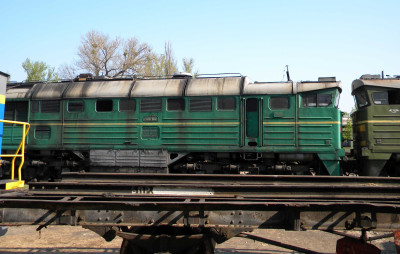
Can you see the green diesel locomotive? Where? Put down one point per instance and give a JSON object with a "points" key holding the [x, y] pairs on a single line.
{"points": [[376, 125], [207, 124]]}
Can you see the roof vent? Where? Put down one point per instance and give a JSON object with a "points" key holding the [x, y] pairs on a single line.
{"points": [[327, 79], [370, 76], [84, 77], [182, 75]]}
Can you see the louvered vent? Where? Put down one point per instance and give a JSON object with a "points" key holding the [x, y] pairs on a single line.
{"points": [[201, 104], [150, 132], [75, 106], [50, 107], [42, 132], [150, 105]]}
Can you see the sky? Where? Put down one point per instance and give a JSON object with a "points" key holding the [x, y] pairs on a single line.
{"points": [[258, 39]]}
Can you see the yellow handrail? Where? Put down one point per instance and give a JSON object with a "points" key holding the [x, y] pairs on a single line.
{"points": [[21, 147]]}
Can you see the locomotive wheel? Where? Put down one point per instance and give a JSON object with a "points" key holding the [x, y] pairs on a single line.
{"points": [[129, 248], [207, 246]]}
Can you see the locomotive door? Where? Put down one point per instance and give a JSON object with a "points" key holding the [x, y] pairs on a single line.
{"points": [[252, 113]]}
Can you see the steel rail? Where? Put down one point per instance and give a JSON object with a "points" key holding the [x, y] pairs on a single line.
{"points": [[230, 179], [291, 202]]}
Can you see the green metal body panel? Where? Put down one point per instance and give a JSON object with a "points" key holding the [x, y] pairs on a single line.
{"points": [[253, 128], [12, 133], [376, 131], [90, 129], [280, 131]]}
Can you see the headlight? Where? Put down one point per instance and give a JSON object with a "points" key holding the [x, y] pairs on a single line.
{"points": [[363, 143], [361, 128]]}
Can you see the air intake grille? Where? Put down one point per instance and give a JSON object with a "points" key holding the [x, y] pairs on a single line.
{"points": [[151, 105], [50, 107], [201, 104]]}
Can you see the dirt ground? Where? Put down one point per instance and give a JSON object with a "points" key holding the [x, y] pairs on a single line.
{"points": [[74, 240]]}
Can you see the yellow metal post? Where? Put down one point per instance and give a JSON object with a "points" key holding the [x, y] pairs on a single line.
{"points": [[19, 153]]}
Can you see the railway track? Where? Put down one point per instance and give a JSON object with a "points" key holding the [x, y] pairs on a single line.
{"points": [[141, 192], [217, 206], [245, 187]]}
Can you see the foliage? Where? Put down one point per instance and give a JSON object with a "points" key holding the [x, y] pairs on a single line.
{"points": [[100, 55], [39, 71], [347, 132], [188, 64], [170, 66]]}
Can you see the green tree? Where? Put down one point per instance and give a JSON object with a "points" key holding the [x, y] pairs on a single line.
{"points": [[347, 132], [170, 66], [39, 71], [188, 66], [162, 65]]}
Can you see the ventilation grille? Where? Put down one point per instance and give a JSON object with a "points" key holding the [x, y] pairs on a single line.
{"points": [[150, 132], [50, 106], [150, 105], [203, 104], [42, 132]]}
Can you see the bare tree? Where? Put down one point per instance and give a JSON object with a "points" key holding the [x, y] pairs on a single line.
{"points": [[170, 66], [67, 71], [99, 54], [134, 57]]}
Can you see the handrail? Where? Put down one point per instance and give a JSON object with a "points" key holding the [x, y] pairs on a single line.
{"points": [[21, 147]]}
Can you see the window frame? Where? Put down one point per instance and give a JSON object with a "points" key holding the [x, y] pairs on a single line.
{"points": [[127, 100], [210, 99], [176, 99], [76, 101], [278, 97], [305, 103], [319, 95], [104, 100], [225, 98], [380, 92], [365, 93]]}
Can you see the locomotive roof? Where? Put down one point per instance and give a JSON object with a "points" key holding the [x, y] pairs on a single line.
{"points": [[378, 82], [124, 88], [289, 87], [215, 86], [19, 90], [158, 88], [99, 89]]}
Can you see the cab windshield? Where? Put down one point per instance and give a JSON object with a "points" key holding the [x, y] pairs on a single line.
{"points": [[361, 99]]}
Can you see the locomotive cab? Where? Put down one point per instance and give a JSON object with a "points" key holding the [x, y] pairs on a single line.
{"points": [[376, 125]]}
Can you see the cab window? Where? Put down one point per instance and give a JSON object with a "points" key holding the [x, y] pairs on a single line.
{"points": [[317, 100], [380, 98], [324, 100], [361, 99]]}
